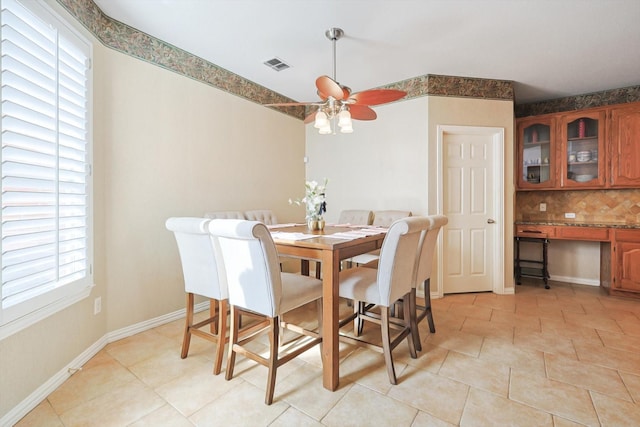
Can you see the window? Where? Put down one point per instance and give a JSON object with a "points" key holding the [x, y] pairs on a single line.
{"points": [[46, 176]]}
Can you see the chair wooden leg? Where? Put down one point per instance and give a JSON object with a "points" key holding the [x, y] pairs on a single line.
{"points": [[358, 323], [186, 340], [427, 305], [408, 322], [413, 310], [318, 270], [222, 336], [213, 327], [274, 331], [233, 339], [386, 344]]}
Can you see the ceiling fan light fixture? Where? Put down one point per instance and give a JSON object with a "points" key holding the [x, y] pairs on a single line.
{"points": [[344, 118], [325, 130], [321, 120]]}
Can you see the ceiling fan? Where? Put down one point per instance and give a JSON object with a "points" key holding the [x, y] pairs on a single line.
{"points": [[337, 101]]}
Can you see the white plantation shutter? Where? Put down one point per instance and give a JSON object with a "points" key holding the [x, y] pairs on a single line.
{"points": [[45, 227]]}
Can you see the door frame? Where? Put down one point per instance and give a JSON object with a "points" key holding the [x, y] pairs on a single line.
{"points": [[497, 263]]}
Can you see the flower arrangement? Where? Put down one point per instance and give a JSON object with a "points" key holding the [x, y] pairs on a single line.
{"points": [[313, 200]]}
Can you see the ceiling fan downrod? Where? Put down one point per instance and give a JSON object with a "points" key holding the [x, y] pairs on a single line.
{"points": [[334, 34]]}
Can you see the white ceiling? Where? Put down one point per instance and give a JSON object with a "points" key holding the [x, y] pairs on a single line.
{"points": [[549, 48]]}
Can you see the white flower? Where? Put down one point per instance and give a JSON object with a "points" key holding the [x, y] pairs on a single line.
{"points": [[313, 200]]}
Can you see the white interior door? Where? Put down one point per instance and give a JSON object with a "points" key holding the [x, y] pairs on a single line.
{"points": [[471, 195]]}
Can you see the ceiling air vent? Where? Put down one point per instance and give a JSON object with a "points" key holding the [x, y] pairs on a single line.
{"points": [[277, 64]]}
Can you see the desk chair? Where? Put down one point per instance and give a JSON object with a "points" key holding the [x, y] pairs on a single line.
{"points": [[257, 287]]}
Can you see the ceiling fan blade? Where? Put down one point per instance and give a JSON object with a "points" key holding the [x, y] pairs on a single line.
{"points": [[377, 96], [362, 112], [291, 104], [328, 87]]}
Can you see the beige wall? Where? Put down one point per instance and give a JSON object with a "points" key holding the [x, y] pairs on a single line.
{"points": [[164, 145]]}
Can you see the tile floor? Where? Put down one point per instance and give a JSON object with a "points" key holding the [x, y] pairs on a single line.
{"points": [[567, 356]]}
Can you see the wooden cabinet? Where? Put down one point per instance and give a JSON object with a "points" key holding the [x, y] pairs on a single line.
{"points": [[587, 149], [582, 153], [625, 145], [536, 153], [626, 262]]}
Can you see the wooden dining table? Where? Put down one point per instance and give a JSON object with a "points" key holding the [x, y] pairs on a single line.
{"points": [[329, 251]]}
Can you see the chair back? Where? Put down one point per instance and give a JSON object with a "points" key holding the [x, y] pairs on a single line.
{"points": [[265, 216], [224, 215], [427, 247], [396, 266], [356, 217], [386, 218], [202, 269], [251, 264]]}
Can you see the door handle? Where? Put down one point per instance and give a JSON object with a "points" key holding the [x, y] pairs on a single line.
{"points": [[490, 221]]}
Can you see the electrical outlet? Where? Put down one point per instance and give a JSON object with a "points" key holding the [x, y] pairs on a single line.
{"points": [[543, 207], [569, 215], [97, 305]]}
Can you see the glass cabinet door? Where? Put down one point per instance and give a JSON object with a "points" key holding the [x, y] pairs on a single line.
{"points": [[583, 154], [536, 154]]}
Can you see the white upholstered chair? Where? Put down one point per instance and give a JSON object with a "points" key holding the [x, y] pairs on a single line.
{"points": [[426, 249], [257, 287], [263, 215], [380, 219], [356, 217], [202, 276], [224, 215], [382, 287]]}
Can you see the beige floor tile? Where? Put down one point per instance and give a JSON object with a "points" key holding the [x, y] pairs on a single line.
{"points": [[304, 391], [293, 417], [585, 375], [373, 409], [173, 329], [554, 397], [549, 343], [567, 330], [491, 300], [462, 342], [93, 381], [121, 406], [563, 422], [195, 388], [441, 397], [608, 357], [166, 415], [244, 407], [517, 358], [633, 385], [487, 409], [478, 373], [367, 367], [486, 328], [41, 415], [517, 320], [620, 341], [167, 365], [470, 311], [424, 419], [601, 323], [134, 349], [429, 359], [460, 298], [615, 412], [542, 310], [630, 326], [446, 320]]}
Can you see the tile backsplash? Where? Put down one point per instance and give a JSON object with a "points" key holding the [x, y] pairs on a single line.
{"points": [[590, 206]]}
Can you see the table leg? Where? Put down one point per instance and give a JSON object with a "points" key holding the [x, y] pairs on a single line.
{"points": [[330, 310]]}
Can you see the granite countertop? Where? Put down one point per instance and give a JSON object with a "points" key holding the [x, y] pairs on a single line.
{"points": [[579, 224]]}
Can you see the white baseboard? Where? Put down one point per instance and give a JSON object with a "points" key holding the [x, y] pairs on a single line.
{"points": [[576, 280], [41, 393]]}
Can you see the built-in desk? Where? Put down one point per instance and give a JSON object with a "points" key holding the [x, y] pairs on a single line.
{"points": [[619, 250]]}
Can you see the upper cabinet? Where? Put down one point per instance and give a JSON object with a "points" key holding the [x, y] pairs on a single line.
{"points": [[536, 153], [582, 153], [587, 149], [625, 146]]}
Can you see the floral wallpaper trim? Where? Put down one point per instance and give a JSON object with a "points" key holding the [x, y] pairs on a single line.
{"points": [[579, 102], [128, 40]]}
